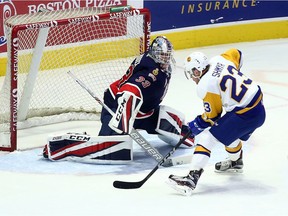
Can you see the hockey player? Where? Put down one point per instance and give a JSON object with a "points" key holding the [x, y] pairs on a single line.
{"points": [[135, 99], [223, 89]]}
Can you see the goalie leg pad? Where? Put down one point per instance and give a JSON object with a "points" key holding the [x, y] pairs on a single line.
{"points": [[89, 149], [170, 126], [128, 107]]}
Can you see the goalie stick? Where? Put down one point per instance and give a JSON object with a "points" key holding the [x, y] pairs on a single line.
{"points": [[138, 184], [135, 135]]}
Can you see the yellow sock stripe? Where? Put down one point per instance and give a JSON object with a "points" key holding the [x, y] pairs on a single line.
{"points": [[234, 149], [202, 150]]}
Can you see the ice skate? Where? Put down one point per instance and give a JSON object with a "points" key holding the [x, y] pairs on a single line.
{"points": [[186, 184], [229, 166]]}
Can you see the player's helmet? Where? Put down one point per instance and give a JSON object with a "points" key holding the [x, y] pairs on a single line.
{"points": [[161, 50], [196, 60]]}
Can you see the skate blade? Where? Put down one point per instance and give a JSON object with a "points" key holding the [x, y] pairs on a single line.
{"points": [[230, 171], [168, 163], [184, 190]]}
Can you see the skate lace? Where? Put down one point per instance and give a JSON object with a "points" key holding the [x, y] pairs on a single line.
{"points": [[185, 180], [226, 164]]}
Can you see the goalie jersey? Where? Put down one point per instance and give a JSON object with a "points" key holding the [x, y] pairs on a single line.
{"points": [[146, 80], [225, 87]]}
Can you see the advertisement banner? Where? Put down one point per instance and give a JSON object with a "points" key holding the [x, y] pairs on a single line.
{"points": [[179, 14], [165, 15], [10, 8]]}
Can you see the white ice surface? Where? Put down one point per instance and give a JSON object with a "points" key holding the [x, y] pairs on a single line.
{"points": [[32, 186]]}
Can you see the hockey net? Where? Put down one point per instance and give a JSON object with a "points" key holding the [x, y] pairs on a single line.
{"points": [[96, 45]]}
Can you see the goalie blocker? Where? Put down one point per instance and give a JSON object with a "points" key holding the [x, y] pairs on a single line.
{"points": [[117, 149]]}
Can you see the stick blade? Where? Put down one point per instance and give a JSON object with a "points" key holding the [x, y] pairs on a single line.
{"points": [[127, 185]]}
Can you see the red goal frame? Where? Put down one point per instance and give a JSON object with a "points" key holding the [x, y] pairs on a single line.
{"points": [[67, 21]]}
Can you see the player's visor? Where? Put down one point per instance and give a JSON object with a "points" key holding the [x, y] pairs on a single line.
{"points": [[192, 73]]}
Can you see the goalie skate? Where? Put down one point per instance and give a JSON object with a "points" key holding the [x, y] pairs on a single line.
{"points": [[229, 166], [186, 184]]}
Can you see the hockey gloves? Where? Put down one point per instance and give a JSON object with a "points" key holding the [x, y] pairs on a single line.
{"points": [[189, 140], [198, 125]]}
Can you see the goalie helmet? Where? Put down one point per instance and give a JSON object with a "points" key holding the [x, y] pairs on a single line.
{"points": [[196, 60], [161, 50]]}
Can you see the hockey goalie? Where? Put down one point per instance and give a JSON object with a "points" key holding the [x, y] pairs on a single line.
{"points": [[116, 149], [135, 102]]}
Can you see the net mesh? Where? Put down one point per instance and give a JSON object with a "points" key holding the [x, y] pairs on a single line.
{"points": [[97, 52]]}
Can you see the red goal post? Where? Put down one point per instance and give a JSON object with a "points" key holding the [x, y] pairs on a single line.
{"points": [[95, 44]]}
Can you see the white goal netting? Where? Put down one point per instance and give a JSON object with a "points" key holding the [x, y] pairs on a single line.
{"points": [[97, 46]]}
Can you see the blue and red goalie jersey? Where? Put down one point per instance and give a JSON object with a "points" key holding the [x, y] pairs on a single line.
{"points": [[147, 80]]}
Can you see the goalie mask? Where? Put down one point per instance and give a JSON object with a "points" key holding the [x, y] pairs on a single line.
{"points": [[196, 61], [161, 51]]}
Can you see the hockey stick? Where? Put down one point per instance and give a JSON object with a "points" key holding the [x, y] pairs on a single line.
{"points": [[138, 184], [135, 135]]}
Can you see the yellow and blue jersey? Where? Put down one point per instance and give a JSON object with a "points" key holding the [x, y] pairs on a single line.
{"points": [[225, 88]]}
